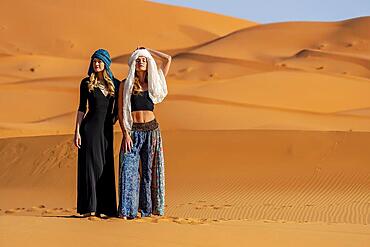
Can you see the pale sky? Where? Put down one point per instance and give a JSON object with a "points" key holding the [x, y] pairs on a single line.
{"points": [[280, 10]]}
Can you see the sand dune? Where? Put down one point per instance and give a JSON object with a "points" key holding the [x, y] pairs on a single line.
{"points": [[365, 112], [360, 60], [23, 68], [290, 90], [34, 66], [73, 35], [329, 62], [43, 104], [328, 184], [276, 41], [264, 233], [269, 100], [265, 127], [237, 116], [188, 66]]}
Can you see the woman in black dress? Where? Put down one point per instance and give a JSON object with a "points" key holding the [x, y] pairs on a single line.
{"points": [[96, 194]]}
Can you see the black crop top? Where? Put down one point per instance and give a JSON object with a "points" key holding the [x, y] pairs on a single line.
{"points": [[141, 101]]}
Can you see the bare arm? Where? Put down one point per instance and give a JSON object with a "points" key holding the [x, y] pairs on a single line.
{"points": [[79, 117], [127, 141], [166, 60], [80, 113], [120, 108], [77, 137]]}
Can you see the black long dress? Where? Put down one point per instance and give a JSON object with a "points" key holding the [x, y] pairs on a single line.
{"points": [[95, 180]]}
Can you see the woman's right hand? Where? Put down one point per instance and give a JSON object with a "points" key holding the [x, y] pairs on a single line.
{"points": [[77, 140], [127, 143]]}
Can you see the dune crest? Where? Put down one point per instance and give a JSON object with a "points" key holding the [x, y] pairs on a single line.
{"points": [[266, 127]]}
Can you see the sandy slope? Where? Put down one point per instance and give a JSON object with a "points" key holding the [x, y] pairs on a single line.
{"points": [[75, 28], [263, 124], [298, 176], [183, 233], [282, 39], [344, 46]]}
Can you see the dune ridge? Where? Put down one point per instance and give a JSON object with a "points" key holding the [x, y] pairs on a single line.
{"points": [[265, 127]]}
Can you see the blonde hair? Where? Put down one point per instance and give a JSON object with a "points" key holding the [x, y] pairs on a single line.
{"points": [[137, 88], [108, 83]]}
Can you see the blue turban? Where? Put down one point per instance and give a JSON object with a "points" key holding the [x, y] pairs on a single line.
{"points": [[105, 57]]}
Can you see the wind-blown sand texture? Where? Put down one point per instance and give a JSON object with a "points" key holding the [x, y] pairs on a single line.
{"points": [[265, 128]]}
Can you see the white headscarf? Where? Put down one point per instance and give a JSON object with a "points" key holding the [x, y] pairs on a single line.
{"points": [[157, 86]]}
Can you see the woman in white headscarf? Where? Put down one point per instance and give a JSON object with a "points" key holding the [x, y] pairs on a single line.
{"points": [[144, 87]]}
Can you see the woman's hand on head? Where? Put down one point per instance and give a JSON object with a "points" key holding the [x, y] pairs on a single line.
{"points": [[139, 47], [165, 60]]}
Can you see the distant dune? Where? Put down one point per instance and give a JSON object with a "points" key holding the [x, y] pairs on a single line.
{"points": [[266, 126]]}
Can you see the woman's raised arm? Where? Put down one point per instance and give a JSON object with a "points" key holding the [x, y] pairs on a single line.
{"points": [[166, 60]]}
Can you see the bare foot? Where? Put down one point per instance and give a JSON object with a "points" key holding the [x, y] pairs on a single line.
{"points": [[87, 215], [103, 216]]}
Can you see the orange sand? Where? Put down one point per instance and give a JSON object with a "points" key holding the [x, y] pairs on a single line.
{"points": [[265, 128]]}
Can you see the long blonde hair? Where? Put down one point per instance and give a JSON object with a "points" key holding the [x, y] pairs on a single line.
{"points": [[108, 83], [137, 88]]}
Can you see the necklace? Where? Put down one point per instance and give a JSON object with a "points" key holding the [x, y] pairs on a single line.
{"points": [[102, 88]]}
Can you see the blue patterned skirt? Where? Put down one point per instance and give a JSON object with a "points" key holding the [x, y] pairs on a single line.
{"points": [[142, 188]]}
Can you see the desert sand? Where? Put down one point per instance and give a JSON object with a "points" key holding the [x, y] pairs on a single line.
{"points": [[266, 128]]}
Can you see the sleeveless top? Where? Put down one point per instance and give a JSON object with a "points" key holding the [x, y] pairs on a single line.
{"points": [[141, 102]]}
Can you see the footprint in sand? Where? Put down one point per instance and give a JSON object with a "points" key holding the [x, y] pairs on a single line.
{"points": [[32, 209], [269, 221], [38, 210], [320, 68], [14, 210], [166, 219], [350, 44], [321, 46], [152, 219], [213, 206], [184, 221], [213, 75], [161, 220], [47, 211], [94, 218], [58, 209], [35, 208], [171, 219]]}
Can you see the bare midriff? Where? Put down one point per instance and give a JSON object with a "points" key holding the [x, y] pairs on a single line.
{"points": [[142, 116]]}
